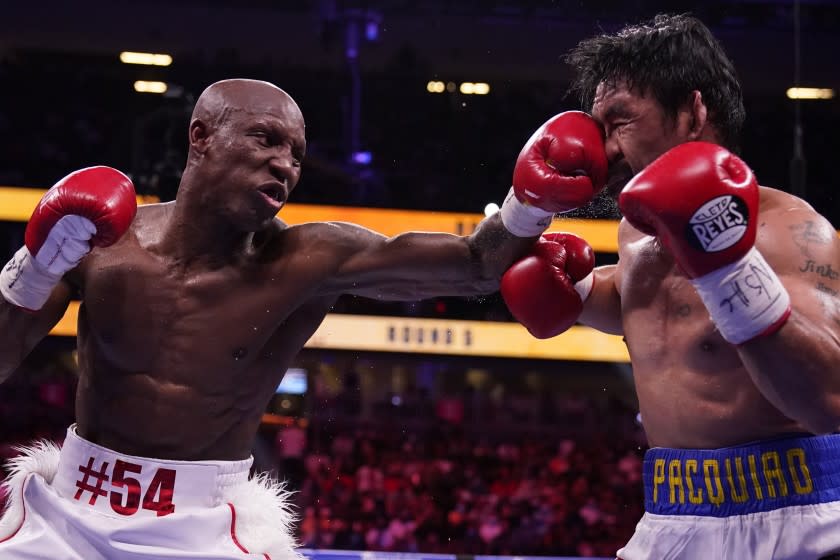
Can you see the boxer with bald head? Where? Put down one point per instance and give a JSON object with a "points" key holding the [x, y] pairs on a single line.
{"points": [[726, 293], [191, 312]]}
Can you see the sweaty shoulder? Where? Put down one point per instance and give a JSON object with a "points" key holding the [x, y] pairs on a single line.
{"points": [[341, 235], [780, 209], [774, 200], [149, 219], [340, 240], [144, 231], [789, 229]]}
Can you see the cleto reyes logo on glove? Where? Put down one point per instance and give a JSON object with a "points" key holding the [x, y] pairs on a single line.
{"points": [[719, 224]]}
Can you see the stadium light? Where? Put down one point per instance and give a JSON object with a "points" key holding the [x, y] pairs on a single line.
{"points": [[435, 86], [481, 88], [147, 59], [142, 86], [475, 88], [810, 93]]}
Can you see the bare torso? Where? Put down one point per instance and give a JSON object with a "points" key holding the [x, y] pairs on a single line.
{"points": [[693, 389], [190, 320], [180, 362], [185, 331]]}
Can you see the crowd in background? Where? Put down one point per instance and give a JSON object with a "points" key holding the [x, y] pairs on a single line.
{"points": [[427, 483], [439, 491], [429, 475]]}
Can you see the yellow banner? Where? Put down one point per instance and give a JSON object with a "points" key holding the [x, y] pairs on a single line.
{"points": [[436, 336], [16, 205]]}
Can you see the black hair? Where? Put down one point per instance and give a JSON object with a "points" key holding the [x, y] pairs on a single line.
{"points": [[668, 57]]}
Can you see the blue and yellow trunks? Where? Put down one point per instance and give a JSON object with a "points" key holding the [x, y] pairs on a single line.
{"points": [[745, 479]]}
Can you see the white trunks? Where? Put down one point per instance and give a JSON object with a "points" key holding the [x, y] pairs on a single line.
{"points": [[86, 502], [773, 500]]}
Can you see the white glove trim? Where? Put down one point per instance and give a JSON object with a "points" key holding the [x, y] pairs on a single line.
{"points": [[524, 220], [584, 287], [25, 283], [28, 281], [746, 299]]}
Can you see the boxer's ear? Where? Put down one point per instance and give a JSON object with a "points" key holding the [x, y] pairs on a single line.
{"points": [[199, 135], [692, 116]]}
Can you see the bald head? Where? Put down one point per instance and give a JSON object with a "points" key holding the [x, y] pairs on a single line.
{"points": [[247, 142], [221, 100], [225, 110]]}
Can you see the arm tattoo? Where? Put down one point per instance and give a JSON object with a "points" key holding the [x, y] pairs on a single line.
{"points": [[807, 234], [823, 270], [826, 290]]}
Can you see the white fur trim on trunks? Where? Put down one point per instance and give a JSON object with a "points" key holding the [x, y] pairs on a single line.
{"points": [[40, 457], [264, 517]]}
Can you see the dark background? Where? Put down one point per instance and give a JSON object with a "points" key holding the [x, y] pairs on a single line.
{"points": [[396, 452], [66, 100]]}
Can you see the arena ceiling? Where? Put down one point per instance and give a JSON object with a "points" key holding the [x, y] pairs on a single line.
{"points": [[491, 40]]}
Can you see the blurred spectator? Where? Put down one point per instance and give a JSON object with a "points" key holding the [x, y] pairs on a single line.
{"points": [[291, 447]]}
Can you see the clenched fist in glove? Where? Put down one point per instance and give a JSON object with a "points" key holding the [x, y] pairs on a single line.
{"points": [[90, 207], [561, 167], [545, 290], [701, 201]]}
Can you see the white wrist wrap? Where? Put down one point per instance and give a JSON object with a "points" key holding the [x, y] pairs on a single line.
{"points": [[524, 220], [745, 298], [28, 281], [25, 283], [584, 287]]}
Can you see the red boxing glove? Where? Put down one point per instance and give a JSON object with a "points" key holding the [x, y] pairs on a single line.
{"points": [[90, 207], [701, 201], [102, 195], [561, 167], [545, 290]]}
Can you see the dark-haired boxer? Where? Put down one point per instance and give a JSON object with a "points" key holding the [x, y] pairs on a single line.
{"points": [[728, 296]]}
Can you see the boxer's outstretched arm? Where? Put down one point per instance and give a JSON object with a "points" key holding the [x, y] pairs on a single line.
{"points": [[561, 167], [21, 330], [796, 368], [602, 309], [418, 265]]}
